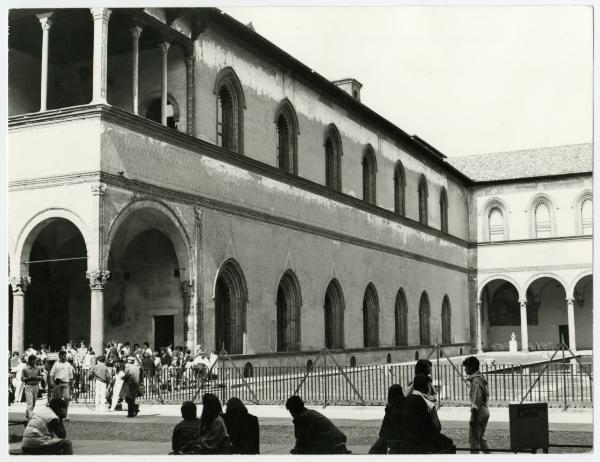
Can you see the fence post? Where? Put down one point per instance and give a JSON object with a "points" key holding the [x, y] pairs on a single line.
{"points": [[437, 358], [325, 378], [562, 347]]}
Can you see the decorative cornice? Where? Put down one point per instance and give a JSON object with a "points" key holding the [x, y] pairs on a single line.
{"points": [[98, 279], [147, 127], [535, 240], [19, 284]]}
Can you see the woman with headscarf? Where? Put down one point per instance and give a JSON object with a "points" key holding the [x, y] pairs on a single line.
{"points": [[393, 432], [214, 438], [242, 427]]}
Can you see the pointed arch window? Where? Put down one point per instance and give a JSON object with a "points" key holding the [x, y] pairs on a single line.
{"points": [[289, 304], [586, 216], [399, 189], [444, 210], [369, 165], [496, 224], [423, 193], [334, 316], [370, 317], [286, 124], [446, 321], [543, 223], [401, 319], [230, 111], [333, 159], [424, 319]]}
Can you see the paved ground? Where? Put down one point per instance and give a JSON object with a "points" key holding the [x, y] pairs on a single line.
{"points": [[103, 433]]}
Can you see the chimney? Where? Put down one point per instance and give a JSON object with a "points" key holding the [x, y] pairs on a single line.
{"points": [[350, 86]]}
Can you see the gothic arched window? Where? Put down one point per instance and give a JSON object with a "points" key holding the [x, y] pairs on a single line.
{"points": [[423, 200], [370, 317], [399, 189], [230, 111], [287, 137], [333, 159], [444, 210], [369, 165]]}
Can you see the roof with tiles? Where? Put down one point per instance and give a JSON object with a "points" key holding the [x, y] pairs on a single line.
{"points": [[527, 163]]}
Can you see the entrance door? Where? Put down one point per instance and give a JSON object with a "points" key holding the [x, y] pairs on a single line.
{"points": [[164, 331], [563, 332]]}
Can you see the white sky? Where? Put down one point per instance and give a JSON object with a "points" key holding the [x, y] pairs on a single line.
{"points": [[468, 80]]}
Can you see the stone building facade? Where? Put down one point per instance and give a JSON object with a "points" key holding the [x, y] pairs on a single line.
{"points": [[176, 178]]}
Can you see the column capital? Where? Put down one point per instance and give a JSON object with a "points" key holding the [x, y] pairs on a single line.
{"points": [[164, 46], [523, 302], [135, 31], [98, 279], [45, 20], [19, 284], [570, 299], [479, 303], [188, 287], [189, 60], [100, 14], [98, 189]]}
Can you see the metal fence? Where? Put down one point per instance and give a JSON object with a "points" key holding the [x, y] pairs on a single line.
{"points": [[560, 384]]}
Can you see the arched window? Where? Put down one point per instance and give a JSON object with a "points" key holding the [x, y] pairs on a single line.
{"points": [[401, 319], [444, 210], [446, 321], [543, 223], [586, 216], [231, 296], [230, 111], [333, 158], [424, 315], [288, 313], [153, 110], [286, 123], [370, 317], [496, 224], [399, 189], [369, 165], [334, 316], [423, 200]]}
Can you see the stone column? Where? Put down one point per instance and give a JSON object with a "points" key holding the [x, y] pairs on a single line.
{"points": [[524, 335], [19, 287], [164, 47], [190, 95], [97, 280], [188, 290], [478, 347], [571, 321], [101, 16], [136, 31], [46, 22]]}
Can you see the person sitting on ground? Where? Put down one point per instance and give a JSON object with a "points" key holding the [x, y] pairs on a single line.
{"points": [[213, 438], [423, 366], [392, 435], [315, 433], [45, 433], [186, 431], [424, 428], [242, 427]]}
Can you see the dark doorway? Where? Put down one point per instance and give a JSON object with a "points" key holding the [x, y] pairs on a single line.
{"points": [[563, 333], [164, 331], [154, 113]]}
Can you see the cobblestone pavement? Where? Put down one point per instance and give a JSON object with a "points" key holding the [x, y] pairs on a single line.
{"points": [[276, 436]]}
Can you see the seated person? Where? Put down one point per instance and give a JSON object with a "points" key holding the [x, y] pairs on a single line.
{"points": [[214, 438], [242, 428], [315, 433], [393, 432], [424, 436], [188, 429], [45, 433]]}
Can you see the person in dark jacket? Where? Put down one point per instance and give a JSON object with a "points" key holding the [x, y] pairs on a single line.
{"points": [[214, 438], [423, 366], [423, 426], [480, 413], [315, 433], [393, 432], [131, 382], [188, 429], [242, 427]]}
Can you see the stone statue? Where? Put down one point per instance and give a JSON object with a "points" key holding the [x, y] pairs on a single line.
{"points": [[512, 344], [513, 337]]}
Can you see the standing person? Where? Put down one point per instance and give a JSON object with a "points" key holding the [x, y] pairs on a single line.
{"points": [[45, 433], [62, 375], [89, 359], [31, 377], [102, 377], [15, 360], [242, 427], [315, 433], [18, 380], [147, 349], [30, 351], [480, 413], [149, 372], [125, 351], [117, 386], [131, 382]]}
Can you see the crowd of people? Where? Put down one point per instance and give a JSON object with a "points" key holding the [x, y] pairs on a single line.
{"points": [[410, 425]]}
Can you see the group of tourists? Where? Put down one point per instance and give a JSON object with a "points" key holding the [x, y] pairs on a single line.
{"points": [[410, 425]]}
